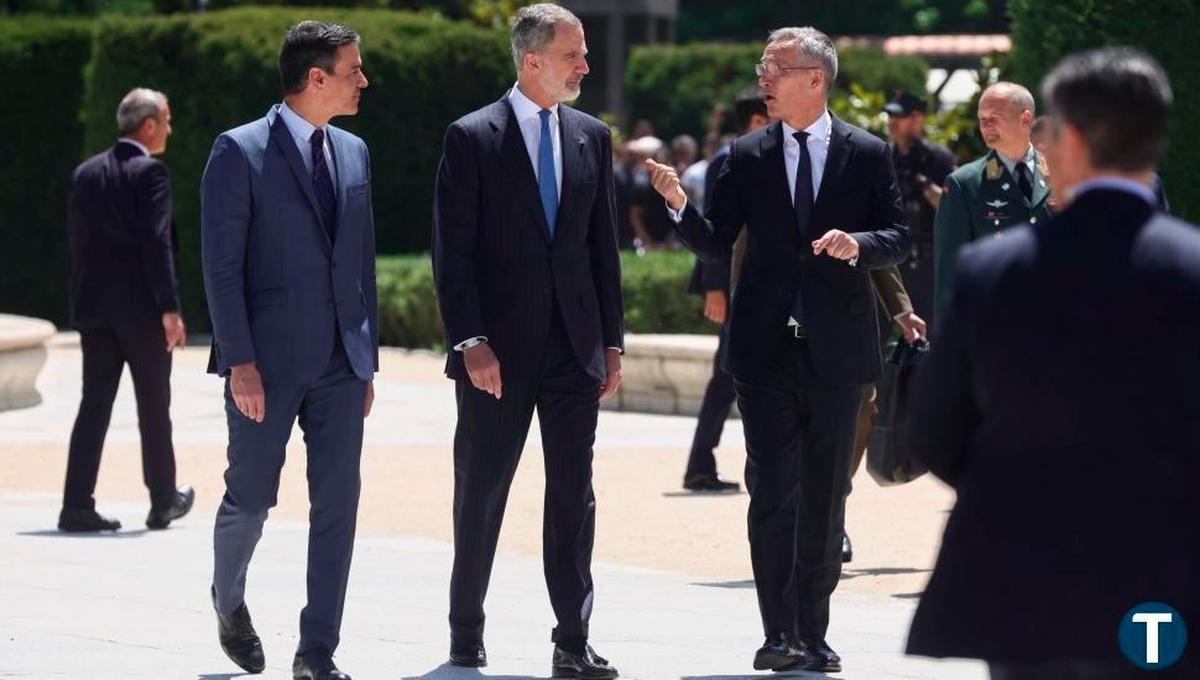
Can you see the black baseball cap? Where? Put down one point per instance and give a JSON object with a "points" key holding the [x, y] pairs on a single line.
{"points": [[904, 103]]}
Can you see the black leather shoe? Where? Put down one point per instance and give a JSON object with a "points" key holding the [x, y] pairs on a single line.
{"points": [[821, 658], [847, 548], [316, 664], [162, 517], [85, 521], [778, 653], [238, 639], [586, 666], [468, 654], [709, 483]]}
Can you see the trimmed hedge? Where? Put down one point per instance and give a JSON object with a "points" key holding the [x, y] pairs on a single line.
{"points": [[219, 70], [653, 286], [676, 86], [1044, 32], [41, 65]]}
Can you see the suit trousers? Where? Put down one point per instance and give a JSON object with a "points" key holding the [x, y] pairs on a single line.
{"points": [[487, 447], [106, 350], [330, 411], [714, 411], [799, 445]]}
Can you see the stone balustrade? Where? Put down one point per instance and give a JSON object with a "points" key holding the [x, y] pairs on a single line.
{"points": [[22, 355], [664, 374]]}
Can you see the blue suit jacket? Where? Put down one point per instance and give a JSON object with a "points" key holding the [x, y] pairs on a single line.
{"points": [[278, 289]]}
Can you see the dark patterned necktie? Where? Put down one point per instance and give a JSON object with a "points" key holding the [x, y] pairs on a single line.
{"points": [[323, 183], [1024, 181], [802, 203]]}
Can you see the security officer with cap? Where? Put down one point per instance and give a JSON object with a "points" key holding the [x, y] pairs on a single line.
{"points": [[1003, 188], [921, 170]]}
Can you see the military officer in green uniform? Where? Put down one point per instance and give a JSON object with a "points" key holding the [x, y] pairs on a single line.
{"points": [[1004, 188]]}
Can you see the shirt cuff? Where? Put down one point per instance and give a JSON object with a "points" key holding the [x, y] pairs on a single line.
{"points": [[896, 317], [677, 215], [469, 343], [618, 350]]}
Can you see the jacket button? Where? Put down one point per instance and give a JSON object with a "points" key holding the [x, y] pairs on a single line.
{"points": [[1033, 220]]}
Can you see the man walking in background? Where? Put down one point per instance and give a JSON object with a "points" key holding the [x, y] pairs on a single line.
{"points": [[529, 287], [125, 303], [1006, 186], [289, 266]]}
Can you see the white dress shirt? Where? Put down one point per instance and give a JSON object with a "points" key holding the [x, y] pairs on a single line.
{"points": [[818, 151], [302, 132], [531, 129], [1029, 159]]}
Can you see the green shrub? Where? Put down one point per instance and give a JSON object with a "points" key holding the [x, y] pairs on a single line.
{"points": [[219, 71], [41, 66], [653, 287], [1044, 32], [677, 86]]}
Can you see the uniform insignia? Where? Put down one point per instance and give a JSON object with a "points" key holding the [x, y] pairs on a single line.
{"points": [[997, 204], [1043, 169], [1004, 186], [993, 169]]}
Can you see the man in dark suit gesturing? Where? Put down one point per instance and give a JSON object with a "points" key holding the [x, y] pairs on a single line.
{"points": [[820, 205], [125, 303], [289, 267], [1060, 402], [528, 282]]}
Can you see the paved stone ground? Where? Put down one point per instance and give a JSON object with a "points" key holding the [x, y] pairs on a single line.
{"points": [[672, 601]]}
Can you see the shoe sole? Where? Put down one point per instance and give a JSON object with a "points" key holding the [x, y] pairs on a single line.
{"points": [[824, 668], [775, 662], [87, 530], [567, 672], [468, 664]]}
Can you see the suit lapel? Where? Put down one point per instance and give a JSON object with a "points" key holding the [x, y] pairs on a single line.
{"points": [[341, 158], [573, 144], [1040, 187], [771, 150], [516, 159], [835, 158], [282, 137]]}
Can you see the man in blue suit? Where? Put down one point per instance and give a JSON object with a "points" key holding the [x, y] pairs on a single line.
{"points": [[1070, 439], [289, 268]]}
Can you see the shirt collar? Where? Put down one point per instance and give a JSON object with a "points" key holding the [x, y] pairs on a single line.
{"points": [[1029, 159], [299, 127], [819, 129], [524, 107], [141, 147], [1113, 183]]}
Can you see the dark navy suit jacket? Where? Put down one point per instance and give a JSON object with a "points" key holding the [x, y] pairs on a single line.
{"points": [[122, 245], [858, 195], [498, 270], [1060, 400], [278, 289]]}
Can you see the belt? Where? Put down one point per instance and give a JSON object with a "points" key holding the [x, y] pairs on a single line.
{"points": [[797, 332]]}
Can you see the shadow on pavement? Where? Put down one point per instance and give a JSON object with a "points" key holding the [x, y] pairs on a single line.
{"points": [[55, 533], [847, 574], [447, 671]]}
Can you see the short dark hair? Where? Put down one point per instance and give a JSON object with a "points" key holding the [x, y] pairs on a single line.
{"points": [[1119, 99], [748, 104], [309, 44]]}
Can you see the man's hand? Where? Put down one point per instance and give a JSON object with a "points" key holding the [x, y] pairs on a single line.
{"points": [[715, 306], [665, 181], [933, 194], [612, 370], [246, 384], [483, 368], [912, 325], [837, 244], [370, 399], [174, 330]]}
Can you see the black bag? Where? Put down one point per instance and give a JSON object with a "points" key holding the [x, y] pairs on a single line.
{"points": [[888, 459]]}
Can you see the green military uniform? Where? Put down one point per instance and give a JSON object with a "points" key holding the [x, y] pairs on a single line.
{"points": [[982, 198]]}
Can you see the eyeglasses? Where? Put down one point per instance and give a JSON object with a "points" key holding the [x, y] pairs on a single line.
{"points": [[770, 68]]}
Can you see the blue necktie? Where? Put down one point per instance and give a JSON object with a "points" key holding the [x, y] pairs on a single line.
{"points": [[803, 205], [547, 180], [323, 183]]}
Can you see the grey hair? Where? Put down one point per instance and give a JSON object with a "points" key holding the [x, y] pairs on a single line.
{"points": [[141, 103], [534, 26], [1018, 96], [812, 44]]}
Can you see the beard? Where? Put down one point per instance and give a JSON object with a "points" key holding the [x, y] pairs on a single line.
{"points": [[561, 91]]}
